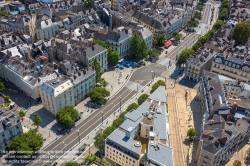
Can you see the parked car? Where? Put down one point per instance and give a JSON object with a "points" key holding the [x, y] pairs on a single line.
{"points": [[248, 141], [121, 67]]}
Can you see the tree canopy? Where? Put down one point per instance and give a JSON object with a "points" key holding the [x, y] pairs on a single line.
{"points": [[199, 7], [114, 57], [142, 51], [98, 70], [2, 87], [98, 94], [27, 143], [191, 133], [223, 13], [177, 36], [37, 120], [88, 3], [132, 106], [185, 54], [154, 53], [217, 25], [3, 12], [191, 24], [197, 15], [241, 33], [71, 163], [99, 42], [156, 85], [142, 98], [138, 48], [21, 114], [67, 116], [160, 40]]}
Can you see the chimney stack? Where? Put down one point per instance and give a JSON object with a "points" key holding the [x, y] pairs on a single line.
{"points": [[214, 101], [235, 105]]}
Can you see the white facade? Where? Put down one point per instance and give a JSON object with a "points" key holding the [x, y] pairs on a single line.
{"points": [[56, 94], [46, 29], [9, 129]]}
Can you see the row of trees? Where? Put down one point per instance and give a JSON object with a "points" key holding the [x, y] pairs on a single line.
{"points": [[187, 53], [224, 9], [67, 116], [177, 36], [100, 139], [156, 85]]}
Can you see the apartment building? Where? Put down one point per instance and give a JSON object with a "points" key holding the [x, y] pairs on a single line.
{"points": [[8, 40], [45, 29], [56, 94], [149, 123], [234, 63], [83, 79], [10, 127], [82, 55], [201, 60], [159, 20], [17, 23], [225, 107]]}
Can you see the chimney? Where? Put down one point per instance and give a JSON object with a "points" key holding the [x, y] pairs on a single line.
{"points": [[93, 47], [214, 101], [235, 105]]}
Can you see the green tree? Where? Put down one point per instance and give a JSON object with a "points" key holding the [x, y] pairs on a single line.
{"points": [[117, 122], [132, 106], [156, 85], [114, 57], [142, 98], [142, 51], [241, 33], [185, 54], [108, 131], [237, 163], [154, 53], [191, 133], [2, 87], [67, 116], [223, 13], [134, 46], [195, 47], [71, 163], [21, 114], [197, 15], [4, 13], [37, 120], [225, 4], [191, 24], [99, 42], [177, 36], [7, 98], [160, 40], [88, 3], [217, 25], [98, 71], [98, 94], [100, 141], [27, 143], [199, 7]]}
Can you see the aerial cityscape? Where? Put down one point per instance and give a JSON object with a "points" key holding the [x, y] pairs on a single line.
{"points": [[124, 83]]}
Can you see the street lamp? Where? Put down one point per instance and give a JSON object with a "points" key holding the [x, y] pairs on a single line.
{"points": [[78, 136], [152, 75], [120, 103], [102, 117], [89, 149], [137, 88]]}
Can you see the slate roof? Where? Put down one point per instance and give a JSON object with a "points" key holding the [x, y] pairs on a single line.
{"points": [[159, 95], [161, 154], [90, 52]]}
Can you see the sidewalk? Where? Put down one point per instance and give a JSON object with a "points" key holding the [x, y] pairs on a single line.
{"points": [[89, 140]]}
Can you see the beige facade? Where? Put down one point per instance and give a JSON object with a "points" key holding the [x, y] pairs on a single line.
{"points": [[56, 94], [119, 157], [231, 71]]}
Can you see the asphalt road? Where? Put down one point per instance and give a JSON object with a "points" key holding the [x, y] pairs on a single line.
{"points": [[186, 43], [206, 13], [65, 143]]}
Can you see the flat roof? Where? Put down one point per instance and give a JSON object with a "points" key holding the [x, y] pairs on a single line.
{"points": [[161, 154]]}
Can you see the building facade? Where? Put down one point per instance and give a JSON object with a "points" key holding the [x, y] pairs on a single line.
{"points": [[10, 127], [56, 94], [148, 122]]}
